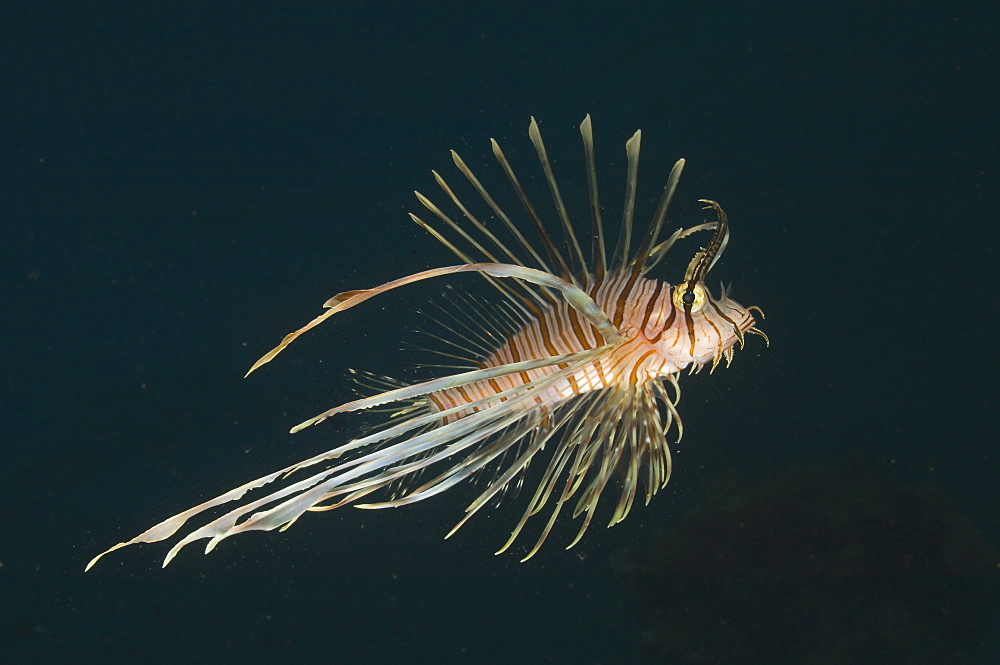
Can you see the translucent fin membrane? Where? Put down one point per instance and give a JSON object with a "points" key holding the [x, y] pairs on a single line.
{"points": [[378, 469]]}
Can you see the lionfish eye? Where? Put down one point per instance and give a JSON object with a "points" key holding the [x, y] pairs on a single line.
{"points": [[690, 297]]}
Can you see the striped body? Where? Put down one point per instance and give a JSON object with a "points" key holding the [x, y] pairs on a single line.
{"points": [[659, 342]]}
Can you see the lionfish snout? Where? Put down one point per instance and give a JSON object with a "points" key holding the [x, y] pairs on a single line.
{"points": [[712, 331]]}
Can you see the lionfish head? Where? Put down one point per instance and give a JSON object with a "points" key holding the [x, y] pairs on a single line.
{"points": [[703, 329]]}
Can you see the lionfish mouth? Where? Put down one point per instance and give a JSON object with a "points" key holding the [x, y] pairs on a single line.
{"points": [[548, 378]]}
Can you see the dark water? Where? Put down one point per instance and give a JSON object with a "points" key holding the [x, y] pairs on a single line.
{"points": [[182, 186]]}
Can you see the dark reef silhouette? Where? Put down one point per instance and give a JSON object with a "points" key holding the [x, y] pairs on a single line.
{"points": [[811, 567]]}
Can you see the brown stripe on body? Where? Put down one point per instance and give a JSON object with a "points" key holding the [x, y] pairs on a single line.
{"points": [[515, 354], [497, 389], [560, 329], [623, 298], [670, 319], [435, 399], [634, 374], [650, 305]]}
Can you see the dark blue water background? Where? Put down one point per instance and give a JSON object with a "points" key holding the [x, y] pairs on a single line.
{"points": [[183, 184]]}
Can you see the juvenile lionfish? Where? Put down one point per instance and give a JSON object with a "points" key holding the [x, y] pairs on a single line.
{"points": [[577, 357]]}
